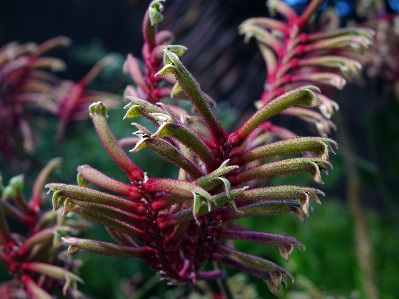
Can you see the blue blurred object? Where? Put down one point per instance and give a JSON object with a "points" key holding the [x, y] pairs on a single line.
{"points": [[300, 5], [295, 2], [394, 4], [345, 7]]}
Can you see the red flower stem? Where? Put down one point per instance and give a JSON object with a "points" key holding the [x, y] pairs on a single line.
{"points": [[99, 179], [159, 243], [5, 234], [98, 112], [149, 31], [42, 236], [193, 91], [310, 9]]}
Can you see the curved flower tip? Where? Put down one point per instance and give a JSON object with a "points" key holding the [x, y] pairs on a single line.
{"points": [[179, 50], [276, 279], [155, 12]]}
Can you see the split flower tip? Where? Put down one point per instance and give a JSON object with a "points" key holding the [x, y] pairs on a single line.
{"points": [[98, 108]]}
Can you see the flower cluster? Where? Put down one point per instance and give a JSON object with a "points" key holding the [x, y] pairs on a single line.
{"points": [[148, 86], [178, 225], [295, 57], [38, 259], [28, 89]]}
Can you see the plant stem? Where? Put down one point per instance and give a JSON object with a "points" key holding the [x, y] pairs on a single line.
{"points": [[224, 285], [364, 250]]}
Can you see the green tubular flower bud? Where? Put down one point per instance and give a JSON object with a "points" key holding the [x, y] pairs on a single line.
{"points": [[211, 180], [98, 178], [365, 32], [9, 192], [284, 192], [189, 138], [194, 93], [50, 270], [303, 96], [122, 227], [185, 215], [58, 199], [358, 43], [265, 208], [46, 220], [332, 79], [98, 108], [283, 242], [175, 187], [69, 205], [110, 212], [81, 180], [41, 237], [246, 259], [79, 193], [139, 107], [72, 249], [347, 66], [106, 248], [265, 23], [196, 206], [281, 7], [284, 167], [111, 145], [262, 36], [169, 152], [17, 183], [319, 146]]}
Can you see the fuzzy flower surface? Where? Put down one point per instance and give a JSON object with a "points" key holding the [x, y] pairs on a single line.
{"points": [[295, 56], [178, 225], [30, 89], [38, 260]]}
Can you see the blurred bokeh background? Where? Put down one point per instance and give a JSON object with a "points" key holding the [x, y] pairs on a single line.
{"points": [[362, 189]]}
